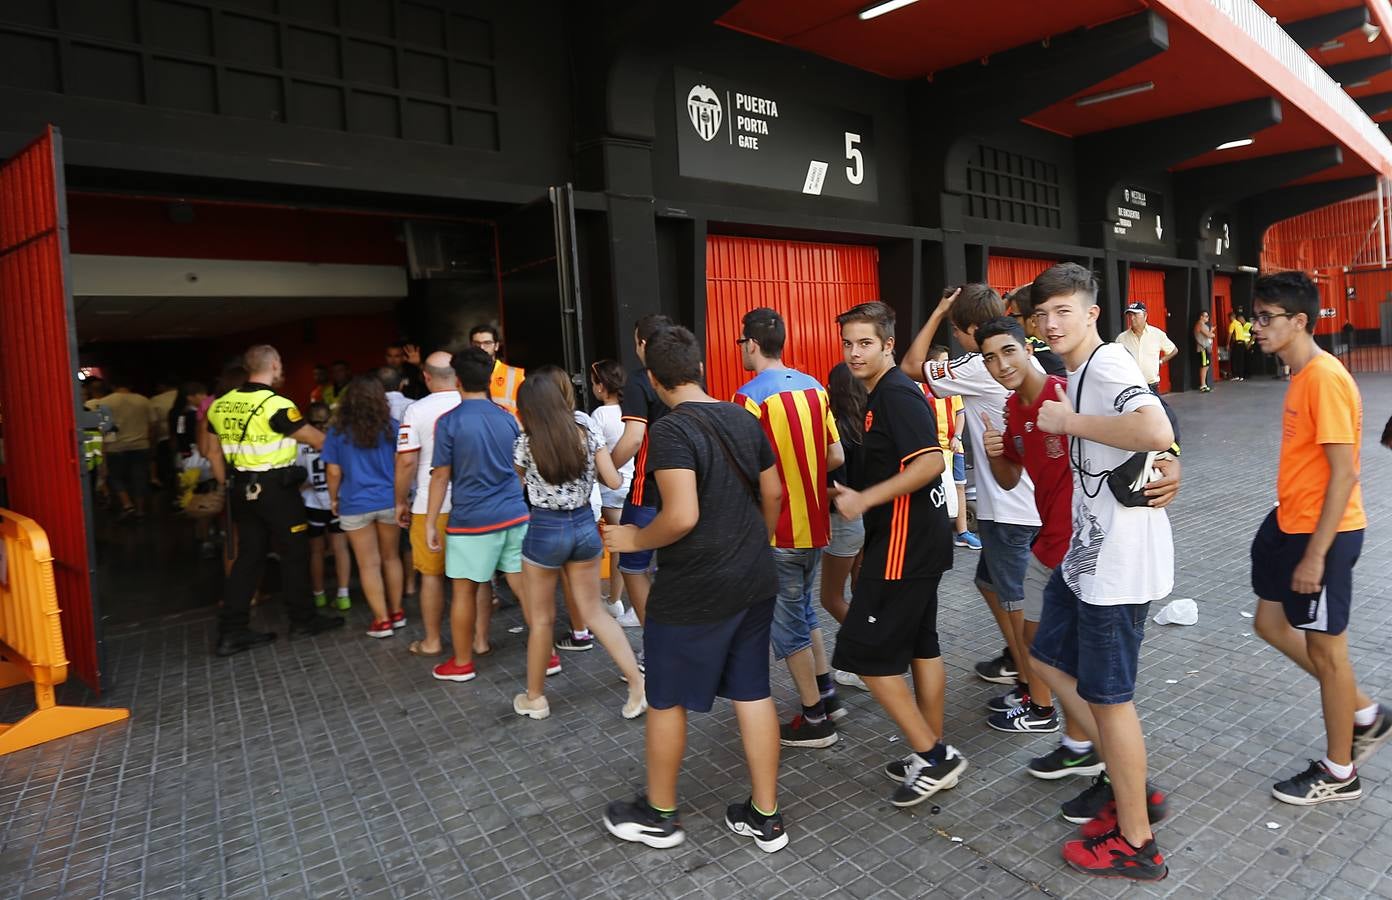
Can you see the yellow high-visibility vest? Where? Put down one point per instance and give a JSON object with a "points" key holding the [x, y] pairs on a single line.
{"points": [[242, 420]]}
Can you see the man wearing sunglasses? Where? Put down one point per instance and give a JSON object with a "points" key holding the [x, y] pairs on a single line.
{"points": [[1304, 553]]}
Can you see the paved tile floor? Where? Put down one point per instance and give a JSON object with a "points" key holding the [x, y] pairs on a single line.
{"points": [[338, 768]]}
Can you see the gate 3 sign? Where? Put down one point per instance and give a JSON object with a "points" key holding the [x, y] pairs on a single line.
{"points": [[727, 131]]}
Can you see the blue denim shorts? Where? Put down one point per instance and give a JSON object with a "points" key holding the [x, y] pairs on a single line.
{"points": [[959, 468], [1005, 552], [847, 536], [1100, 646], [556, 537], [642, 560], [690, 665], [794, 617]]}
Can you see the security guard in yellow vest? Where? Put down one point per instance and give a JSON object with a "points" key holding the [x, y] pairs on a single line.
{"points": [[502, 388], [252, 432]]}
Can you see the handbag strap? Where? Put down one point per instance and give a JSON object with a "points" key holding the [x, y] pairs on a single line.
{"points": [[725, 448]]}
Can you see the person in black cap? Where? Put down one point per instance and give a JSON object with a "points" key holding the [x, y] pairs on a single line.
{"points": [[1147, 344]]}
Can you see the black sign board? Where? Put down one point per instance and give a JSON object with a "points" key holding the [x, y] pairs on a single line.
{"points": [[1216, 237], [1138, 217], [738, 132]]}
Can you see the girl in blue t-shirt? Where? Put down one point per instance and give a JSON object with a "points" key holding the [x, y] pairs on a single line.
{"points": [[558, 455], [360, 458]]}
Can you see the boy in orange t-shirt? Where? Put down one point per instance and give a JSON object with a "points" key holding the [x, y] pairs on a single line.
{"points": [[1304, 553]]}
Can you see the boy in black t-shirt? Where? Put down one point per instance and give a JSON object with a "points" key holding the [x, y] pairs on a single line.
{"points": [[707, 628], [640, 411], [892, 624]]}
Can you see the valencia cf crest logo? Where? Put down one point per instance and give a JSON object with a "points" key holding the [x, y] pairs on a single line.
{"points": [[869, 418], [703, 106]]}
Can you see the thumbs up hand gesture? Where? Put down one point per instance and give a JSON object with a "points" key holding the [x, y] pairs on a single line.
{"points": [[993, 440], [1054, 415]]}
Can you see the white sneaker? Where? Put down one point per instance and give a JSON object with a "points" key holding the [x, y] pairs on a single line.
{"points": [[532, 709], [615, 609], [633, 710], [629, 619], [848, 679]]}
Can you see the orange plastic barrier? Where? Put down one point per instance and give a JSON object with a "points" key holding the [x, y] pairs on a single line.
{"points": [[31, 639]]}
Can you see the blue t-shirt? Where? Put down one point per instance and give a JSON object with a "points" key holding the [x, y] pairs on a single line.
{"points": [[368, 473], [475, 440]]}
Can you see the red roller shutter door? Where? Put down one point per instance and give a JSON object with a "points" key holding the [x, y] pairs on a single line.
{"points": [[1222, 305], [1005, 273], [1148, 287], [809, 284]]}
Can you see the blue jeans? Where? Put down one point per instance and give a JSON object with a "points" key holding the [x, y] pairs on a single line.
{"points": [[1100, 646], [556, 537], [793, 616]]}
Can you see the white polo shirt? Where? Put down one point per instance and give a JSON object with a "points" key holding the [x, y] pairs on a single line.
{"points": [[417, 435], [1146, 349]]}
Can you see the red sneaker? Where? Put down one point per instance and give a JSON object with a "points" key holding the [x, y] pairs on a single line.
{"points": [[1110, 856], [398, 619], [449, 671], [1156, 809], [554, 666], [382, 629]]}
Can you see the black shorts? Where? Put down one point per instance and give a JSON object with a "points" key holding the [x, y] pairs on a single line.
{"points": [[690, 665], [320, 521], [1275, 555], [889, 624]]}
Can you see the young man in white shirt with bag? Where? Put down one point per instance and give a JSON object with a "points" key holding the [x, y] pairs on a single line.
{"points": [[1120, 558]]}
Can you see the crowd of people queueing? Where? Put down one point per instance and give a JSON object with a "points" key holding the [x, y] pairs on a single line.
{"points": [[741, 507]]}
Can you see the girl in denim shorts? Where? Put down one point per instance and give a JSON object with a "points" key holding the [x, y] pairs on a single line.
{"points": [[559, 454]]}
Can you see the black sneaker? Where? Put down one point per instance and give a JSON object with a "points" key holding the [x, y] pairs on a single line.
{"points": [[640, 823], [569, 641], [1000, 670], [835, 709], [234, 642], [316, 625], [1024, 720], [802, 733], [1367, 740], [1086, 806], [1011, 699], [1061, 762], [1317, 785], [767, 832], [896, 770], [923, 781]]}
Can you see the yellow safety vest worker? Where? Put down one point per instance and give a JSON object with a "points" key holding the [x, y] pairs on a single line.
{"points": [[506, 381], [242, 421]]}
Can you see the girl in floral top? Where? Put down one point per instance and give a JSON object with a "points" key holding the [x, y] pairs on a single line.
{"points": [[558, 459]]}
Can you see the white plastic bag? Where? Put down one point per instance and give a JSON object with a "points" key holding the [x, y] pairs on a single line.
{"points": [[1180, 611]]}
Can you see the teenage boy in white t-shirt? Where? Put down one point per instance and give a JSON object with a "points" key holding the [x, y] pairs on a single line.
{"points": [[415, 447], [1007, 519], [1120, 558]]}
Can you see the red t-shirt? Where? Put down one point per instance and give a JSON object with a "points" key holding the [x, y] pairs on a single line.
{"points": [[1045, 458]]}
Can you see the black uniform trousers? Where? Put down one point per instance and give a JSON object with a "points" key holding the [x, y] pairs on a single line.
{"points": [[275, 520]]}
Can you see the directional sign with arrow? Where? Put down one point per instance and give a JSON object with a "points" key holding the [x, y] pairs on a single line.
{"points": [[1131, 217]]}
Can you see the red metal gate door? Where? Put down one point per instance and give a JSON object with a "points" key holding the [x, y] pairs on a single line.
{"points": [[809, 284], [1148, 286], [38, 384]]}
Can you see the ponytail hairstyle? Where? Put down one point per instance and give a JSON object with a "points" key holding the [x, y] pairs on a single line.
{"points": [[546, 405], [608, 374]]}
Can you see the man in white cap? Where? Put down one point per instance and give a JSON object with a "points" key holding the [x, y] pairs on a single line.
{"points": [[1149, 345]]}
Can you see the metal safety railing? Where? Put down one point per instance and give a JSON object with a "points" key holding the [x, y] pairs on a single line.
{"points": [[1259, 25]]}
